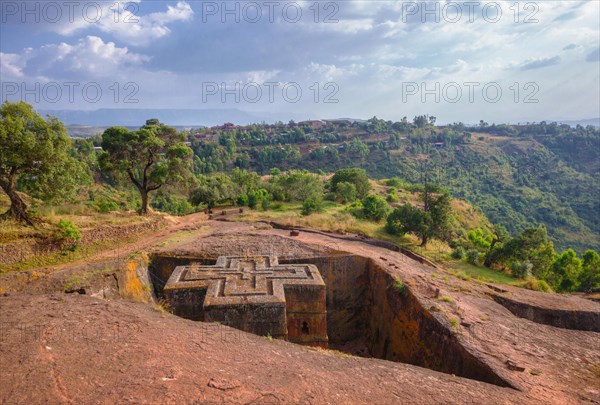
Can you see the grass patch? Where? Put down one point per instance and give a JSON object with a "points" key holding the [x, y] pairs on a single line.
{"points": [[82, 252], [463, 269], [399, 286], [445, 298]]}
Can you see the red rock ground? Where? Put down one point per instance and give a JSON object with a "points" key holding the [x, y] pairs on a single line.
{"points": [[59, 348]]}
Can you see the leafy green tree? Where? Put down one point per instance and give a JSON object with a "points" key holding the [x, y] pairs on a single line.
{"points": [[150, 157], [565, 271], [214, 190], [244, 180], [589, 279], [358, 177], [375, 207], [34, 153], [358, 148], [172, 204], [499, 236], [346, 192], [298, 185], [479, 238], [408, 219], [436, 202], [257, 197], [532, 245], [432, 221], [421, 121], [206, 194]]}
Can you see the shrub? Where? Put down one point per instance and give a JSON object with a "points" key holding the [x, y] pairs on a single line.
{"points": [[394, 182], [242, 200], [375, 207], [459, 253], [445, 298], [69, 233], [391, 198], [521, 269], [356, 209], [331, 196], [265, 202], [258, 197], [312, 204], [172, 205], [104, 206], [532, 283], [473, 257], [252, 200]]}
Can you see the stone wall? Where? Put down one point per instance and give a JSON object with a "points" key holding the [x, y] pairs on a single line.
{"points": [[364, 306], [401, 329]]}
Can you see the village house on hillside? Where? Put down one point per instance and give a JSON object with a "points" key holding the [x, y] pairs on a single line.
{"points": [[314, 124]]}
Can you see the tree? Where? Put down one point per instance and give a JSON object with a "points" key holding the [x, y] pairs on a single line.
{"points": [[499, 235], [433, 220], [407, 218], [258, 196], [375, 207], [358, 148], [213, 190], [565, 271], [358, 177], [298, 185], [589, 279], [421, 121], [346, 192], [532, 245], [150, 157], [436, 202], [35, 153]]}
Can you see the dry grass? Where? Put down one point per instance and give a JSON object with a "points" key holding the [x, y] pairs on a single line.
{"points": [[11, 231], [330, 352], [163, 307]]}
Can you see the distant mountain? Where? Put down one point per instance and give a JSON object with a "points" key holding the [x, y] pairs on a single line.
{"points": [[584, 123], [106, 117]]}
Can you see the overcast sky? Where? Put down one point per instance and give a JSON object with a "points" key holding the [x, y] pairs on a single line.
{"points": [[460, 61]]}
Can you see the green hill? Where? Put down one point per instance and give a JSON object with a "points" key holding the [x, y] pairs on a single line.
{"points": [[519, 176]]}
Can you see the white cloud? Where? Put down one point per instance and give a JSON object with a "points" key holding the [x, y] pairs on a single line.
{"points": [[122, 19], [90, 57], [11, 65]]}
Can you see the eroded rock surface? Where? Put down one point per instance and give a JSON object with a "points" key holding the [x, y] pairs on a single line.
{"points": [[81, 349]]}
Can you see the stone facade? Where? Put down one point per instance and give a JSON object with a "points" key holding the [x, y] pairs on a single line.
{"points": [[254, 294]]}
